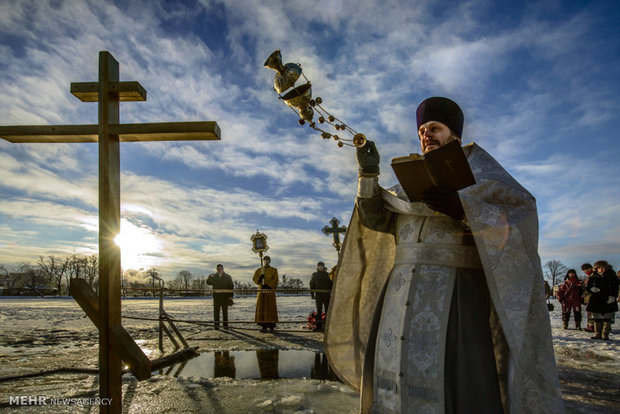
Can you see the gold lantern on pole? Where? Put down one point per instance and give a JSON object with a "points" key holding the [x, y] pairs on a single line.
{"points": [[259, 245]]}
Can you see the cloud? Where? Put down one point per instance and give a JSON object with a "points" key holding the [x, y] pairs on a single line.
{"points": [[31, 178], [538, 94]]}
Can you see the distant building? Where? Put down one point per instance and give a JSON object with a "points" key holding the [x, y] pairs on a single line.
{"points": [[21, 284]]}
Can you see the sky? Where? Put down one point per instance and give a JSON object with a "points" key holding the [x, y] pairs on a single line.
{"points": [[537, 82]]}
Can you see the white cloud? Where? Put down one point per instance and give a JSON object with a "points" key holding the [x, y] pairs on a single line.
{"points": [[529, 89]]}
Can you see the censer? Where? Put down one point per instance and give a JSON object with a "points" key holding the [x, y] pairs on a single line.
{"points": [[299, 99]]}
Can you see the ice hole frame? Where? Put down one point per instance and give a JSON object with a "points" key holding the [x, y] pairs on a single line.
{"points": [[164, 317], [105, 312]]}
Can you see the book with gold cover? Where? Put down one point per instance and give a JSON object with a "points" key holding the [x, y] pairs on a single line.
{"points": [[445, 167]]}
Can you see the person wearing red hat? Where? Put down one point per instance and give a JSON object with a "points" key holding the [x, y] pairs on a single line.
{"points": [[438, 305]]}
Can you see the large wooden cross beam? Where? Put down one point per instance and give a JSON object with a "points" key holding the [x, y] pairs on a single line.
{"points": [[108, 92]]}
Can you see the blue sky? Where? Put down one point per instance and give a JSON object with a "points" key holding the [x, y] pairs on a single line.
{"points": [[537, 81]]}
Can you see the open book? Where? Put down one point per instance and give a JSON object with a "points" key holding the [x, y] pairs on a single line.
{"points": [[445, 167]]}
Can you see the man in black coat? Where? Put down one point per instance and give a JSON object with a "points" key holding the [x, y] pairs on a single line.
{"points": [[603, 285], [320, 281], [221, 280]]}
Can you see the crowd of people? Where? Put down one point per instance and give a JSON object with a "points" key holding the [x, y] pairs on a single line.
{"points": [[598, 291], [266, 278]]}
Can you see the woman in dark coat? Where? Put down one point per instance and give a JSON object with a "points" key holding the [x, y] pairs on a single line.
{"points": [[603, 285]]}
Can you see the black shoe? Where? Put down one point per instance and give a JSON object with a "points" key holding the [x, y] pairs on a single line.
{"points": [[263, 330]]}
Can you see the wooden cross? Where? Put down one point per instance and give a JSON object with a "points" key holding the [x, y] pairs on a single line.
{"points": [[114, 342], [335, 230]]}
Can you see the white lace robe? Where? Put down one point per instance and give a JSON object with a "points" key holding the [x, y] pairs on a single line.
{"points": [[503, 218]]}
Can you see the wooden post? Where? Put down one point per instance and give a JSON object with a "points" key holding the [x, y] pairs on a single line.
{"points": [[109, 228], [161, 321]]}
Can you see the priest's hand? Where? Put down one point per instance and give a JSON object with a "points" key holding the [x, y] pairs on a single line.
{"points": [[368, 160], [445, 201]]}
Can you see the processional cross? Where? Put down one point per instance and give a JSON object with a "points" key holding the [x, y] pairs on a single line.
{"points": [[335, 230], [115, 344]]}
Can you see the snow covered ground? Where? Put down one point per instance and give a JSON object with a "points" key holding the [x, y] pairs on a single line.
{"points": [[38, 334]]}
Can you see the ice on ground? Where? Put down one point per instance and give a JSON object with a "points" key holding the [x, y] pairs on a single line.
{"points": [[39, 334]]}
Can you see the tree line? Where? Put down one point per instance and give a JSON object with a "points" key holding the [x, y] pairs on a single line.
{"points": [[186, 280], [52, 274]]}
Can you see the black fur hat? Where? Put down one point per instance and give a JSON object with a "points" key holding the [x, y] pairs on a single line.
{"points": [[442, 110]]}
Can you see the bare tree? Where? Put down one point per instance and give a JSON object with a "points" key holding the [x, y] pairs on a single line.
{"points": [[174, 284], [29, 277], [555, 270], [296, 283], [4, 276], [184, 277], [76, 267], [154, 275], [244, 286], [92, 269], [84, 267], [289, 282], [54, 269], [200, 283]]}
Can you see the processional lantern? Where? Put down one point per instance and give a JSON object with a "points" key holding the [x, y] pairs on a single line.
{"points": [[259, 244], [300, 99]]}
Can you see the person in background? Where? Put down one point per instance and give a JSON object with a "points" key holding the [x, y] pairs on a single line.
{"points": [[587, 270], [220, 281], [320, 281], [570, 295], [603, 286], [266, 277], [547, 296]]}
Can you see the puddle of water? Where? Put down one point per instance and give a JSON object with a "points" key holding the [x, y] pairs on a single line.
{"points": [[259, 364]]}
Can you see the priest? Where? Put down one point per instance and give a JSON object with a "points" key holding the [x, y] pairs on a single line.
{"points": [[438, 305]]}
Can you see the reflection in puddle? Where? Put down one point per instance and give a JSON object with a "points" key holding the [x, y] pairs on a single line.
{"points": [[259, 364]]}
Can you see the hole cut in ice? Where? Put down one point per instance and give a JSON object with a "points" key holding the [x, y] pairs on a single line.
{"points": [[260, 364]]}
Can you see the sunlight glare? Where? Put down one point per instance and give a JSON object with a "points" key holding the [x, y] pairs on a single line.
{"points": [[139, 246]]}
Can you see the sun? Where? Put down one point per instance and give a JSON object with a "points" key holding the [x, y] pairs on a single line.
{"points": [[140, 247]]}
